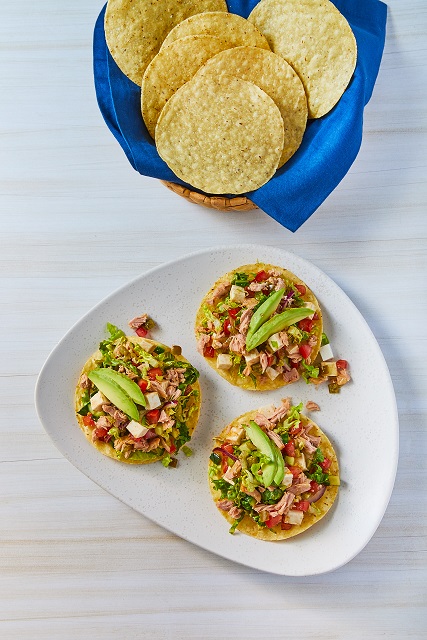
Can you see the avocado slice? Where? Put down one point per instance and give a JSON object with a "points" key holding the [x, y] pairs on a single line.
{"points": [[269, 471], [274, 472], [280, 473], [128, 385], [263, 443], [115, 394]]}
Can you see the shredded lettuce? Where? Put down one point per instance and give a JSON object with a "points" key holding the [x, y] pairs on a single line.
{"points": [[209, 316], [310, 371], [240, 279], [114, 432], [166, 460], [187, 451]]}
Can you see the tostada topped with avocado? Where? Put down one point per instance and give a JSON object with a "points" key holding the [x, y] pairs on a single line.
{"points": [[260, 327], [273, 473], [137, 400]]}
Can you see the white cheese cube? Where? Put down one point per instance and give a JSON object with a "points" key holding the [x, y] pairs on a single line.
{"points": [[275, 342], [252, 357], [146, 345], [310, 305], [237, 294], [272, 373], [97, 401], [136, 429], [300, 461], [224, 361], [287, 480], [235, 435], [326, 352], [294, 517], [153, 400]]}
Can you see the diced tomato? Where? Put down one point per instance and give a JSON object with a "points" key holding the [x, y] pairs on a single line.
{"points": [[261, 276], [306, 324], [101, 432], [342, 364], [315, 317], [266, 291], [294, 365], [172, 447], [302, 506], [141, 332], [233, 312], [301, 288], [209, 352], [290, 449], [227, 327], [272, 521], [295, 471], [224, 464], [286, 526], [296, 430], [228, 448], [88, 421], [153, 373], [326, 464], [314, 486], [143, 384], [153, 416], [305, 350], [270, 359]]}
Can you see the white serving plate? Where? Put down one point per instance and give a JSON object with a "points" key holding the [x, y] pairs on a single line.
{"points": [[361, 421]]}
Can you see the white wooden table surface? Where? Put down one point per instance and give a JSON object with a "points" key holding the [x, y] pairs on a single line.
{"points": [[76, 222]]}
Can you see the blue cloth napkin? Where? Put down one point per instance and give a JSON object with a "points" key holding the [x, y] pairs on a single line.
{"points": [[330, 144]]}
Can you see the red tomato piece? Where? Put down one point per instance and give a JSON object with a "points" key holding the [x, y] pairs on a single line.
{"points": [[227, 326], [326, 464], [101, 432], [143, 385], [266, 291], [153, 416], [305, 350], [296, 430], [153, 373], [342, 364], [294, 470], [270, 359], [314, 486], [228, 448], [209, 352], [261, 276], [290, 449], [302, 506], [315, 317], [172, 447], [306, 324], [141, 332], [301, 288], [294, 365], [233, 312], [272, 521], [286, 526], [88, 421]]}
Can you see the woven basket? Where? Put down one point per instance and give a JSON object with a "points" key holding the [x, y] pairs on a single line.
{"points": [[240, 203]]}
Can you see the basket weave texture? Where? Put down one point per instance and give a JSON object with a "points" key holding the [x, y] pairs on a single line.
{"points": [[239, 203]]}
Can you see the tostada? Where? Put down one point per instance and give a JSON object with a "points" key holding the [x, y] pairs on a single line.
{"points": [[137, 400]]}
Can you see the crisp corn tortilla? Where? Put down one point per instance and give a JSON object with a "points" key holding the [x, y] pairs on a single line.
{"points": [[104, 447], [206, 135], [263, 383], [172, 67], [249, 526], [316, 39], [276, 77], [135, 29], [227, 26]]}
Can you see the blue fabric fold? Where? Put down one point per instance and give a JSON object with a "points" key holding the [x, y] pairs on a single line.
{"points": [[330, 144]]}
